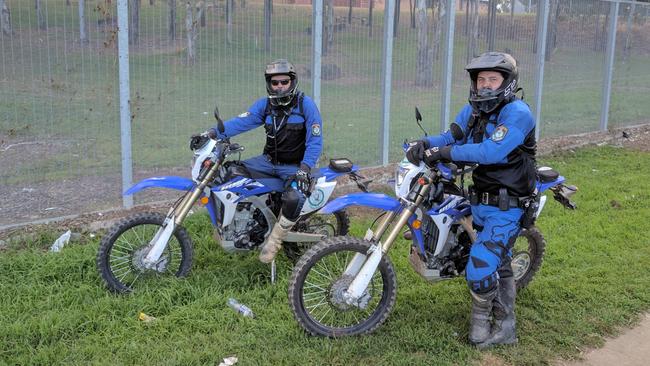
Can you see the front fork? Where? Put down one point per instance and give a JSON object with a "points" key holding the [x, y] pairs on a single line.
{"points": [[363, 266], [174, 219]]}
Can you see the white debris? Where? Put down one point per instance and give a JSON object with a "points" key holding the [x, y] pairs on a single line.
{"points": [[61, 241], [229, 361]]}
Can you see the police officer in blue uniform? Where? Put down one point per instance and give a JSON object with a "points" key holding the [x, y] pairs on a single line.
{"points": [[500, 137], [293, 145]]}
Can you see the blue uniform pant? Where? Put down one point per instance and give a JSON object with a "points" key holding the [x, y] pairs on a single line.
{"points": [[490, 255], [292, 199]]}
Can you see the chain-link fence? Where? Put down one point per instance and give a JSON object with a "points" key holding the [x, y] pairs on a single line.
{"points": [[61, 144]]}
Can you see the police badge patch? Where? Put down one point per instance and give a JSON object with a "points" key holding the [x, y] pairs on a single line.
{"points": [[315, 129], [244, 115], [499, 133]]}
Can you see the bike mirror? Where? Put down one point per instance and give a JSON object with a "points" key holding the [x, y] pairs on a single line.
{"points": [[418, 118], [220, 125], [457, 131]]}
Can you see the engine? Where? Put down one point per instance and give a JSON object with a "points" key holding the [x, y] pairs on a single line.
{"points": [[452, 260], [247, 229]]}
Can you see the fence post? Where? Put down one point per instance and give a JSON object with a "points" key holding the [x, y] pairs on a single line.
{"points": [[542, 28], [125, 99], [609, 64], [447, 67], [387, 69], [317, 50]]}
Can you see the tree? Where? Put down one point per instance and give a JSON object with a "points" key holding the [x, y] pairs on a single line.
{"points": [[551, 36], [268, 9], [397, 12], [40, 15], [492, 21], [5, 19], [424, 63], [230, 9], [134, 21], [191, 21], [83, 37], [627, 47], [328, 27], [472, 42], [171, 28], [371, 5]]}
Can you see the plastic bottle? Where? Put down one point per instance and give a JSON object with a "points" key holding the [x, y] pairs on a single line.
{"points": [[240, 308], [61, 241]]}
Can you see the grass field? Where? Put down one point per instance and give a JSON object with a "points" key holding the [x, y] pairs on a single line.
{"points": [[54, 309]]}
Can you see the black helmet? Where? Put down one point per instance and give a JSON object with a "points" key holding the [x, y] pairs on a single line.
{"points": [[281, 67], [486, 100]]}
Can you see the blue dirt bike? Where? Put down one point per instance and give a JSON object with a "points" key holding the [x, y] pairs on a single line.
{"points": [[347, 286], [242, 205]]}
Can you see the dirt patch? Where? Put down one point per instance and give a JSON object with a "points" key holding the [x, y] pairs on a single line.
{"points": [[88, 202]]}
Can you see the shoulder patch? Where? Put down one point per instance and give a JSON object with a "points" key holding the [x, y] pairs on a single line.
{"points": [[244, 115], [315, 129], [499, 133]]}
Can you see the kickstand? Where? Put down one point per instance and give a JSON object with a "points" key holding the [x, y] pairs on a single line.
{"points": [[273, 271]]}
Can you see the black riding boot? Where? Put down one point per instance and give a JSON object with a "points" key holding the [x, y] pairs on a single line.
{"points": [[480, 318], [504, 328]]}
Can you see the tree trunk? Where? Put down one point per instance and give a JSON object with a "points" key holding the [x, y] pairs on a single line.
{"points": [[171, 20], [412, 11], [5, 19], [134, 21], [627, 47], [492, 22], [424, 64], [512, 19], [83, 37], [230, 6], [40, 15], [552, 29], [472, 42], [191, 28], [267, 25], [67, 2], [328, 27], [201, 18], [350, 12], [466, 25], [396, 19], [371, 5]]}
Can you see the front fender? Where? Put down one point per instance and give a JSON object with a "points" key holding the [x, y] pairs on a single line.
{"points": [[374, 200], [179, 183]]}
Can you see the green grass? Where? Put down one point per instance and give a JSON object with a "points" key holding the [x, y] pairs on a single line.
{"points": [[55, 310]]}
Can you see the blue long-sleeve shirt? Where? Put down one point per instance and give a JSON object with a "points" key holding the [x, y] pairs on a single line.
{"points": [[506, 132], [310, 119]]}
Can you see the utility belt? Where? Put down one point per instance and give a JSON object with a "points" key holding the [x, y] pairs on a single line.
{"points": [[502, 200]]}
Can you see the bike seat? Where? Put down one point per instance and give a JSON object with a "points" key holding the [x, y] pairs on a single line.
{"points": [[546, 174]]}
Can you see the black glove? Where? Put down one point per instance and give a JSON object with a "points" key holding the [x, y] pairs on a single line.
{"points": [[415, 151], [436, 154], [197, 141], [303, 178]]}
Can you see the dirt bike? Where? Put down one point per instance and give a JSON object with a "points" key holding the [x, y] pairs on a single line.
{"points": [[346, 286], [243, 207]]}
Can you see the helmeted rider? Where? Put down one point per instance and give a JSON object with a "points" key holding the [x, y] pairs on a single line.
{"points": [[293, 145], [500, 137]]}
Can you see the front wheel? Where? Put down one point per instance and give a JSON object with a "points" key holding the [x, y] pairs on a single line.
{"points": [[317, 284], [123, 248], [527, 255]]}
